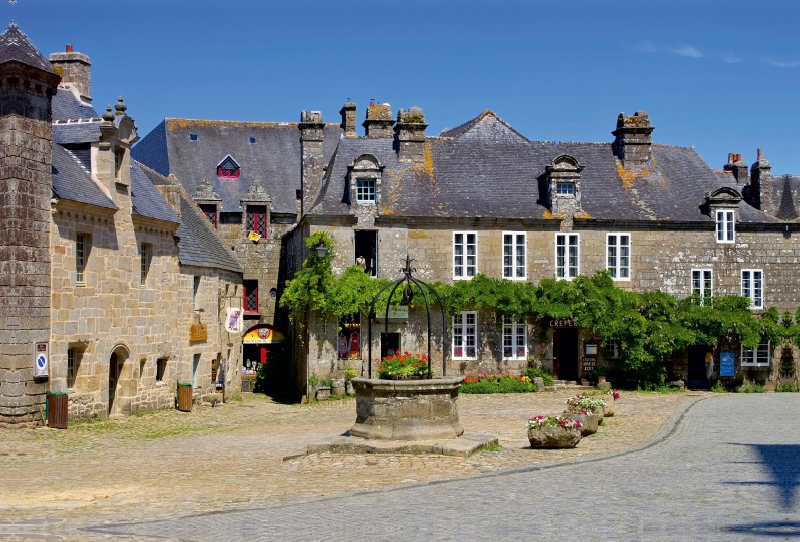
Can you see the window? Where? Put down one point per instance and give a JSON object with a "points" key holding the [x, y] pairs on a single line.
{"points": [[465, 254], [73, 361], [365, 190], [701, 284], [565, 189], [210, 211], [753, 287], [145, 254], [349, 338], [119, 155], [195, 364], [161, 368], [228, 169], [612, 349], [756, 357], [83, 245], [252, 141], [366, 251], [567, 256], [195, 289], [618, 252], [514, 255], [250, 292], [192, 137], [514, 338], [257, 219], [465, 335], [725, 226]]}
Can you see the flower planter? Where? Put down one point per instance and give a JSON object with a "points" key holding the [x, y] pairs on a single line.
{"points": [[601, 379], [589, 422], [609, 400], [322, 393], [407, 409], [552, 436]]}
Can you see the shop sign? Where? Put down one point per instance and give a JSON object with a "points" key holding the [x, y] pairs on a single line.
{"points": [[41, 360], [563, 323], [263, 334], [726, 367], [395, 313], [589, 358], [198, 332], [233, 320]]}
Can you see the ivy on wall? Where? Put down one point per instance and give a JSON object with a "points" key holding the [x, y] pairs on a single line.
{"points": [[651, 327]]}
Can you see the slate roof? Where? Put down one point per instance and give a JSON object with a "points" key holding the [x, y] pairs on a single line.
{"points": [[72, 181], [16, 47], [67, 106], [146, 199], [780, 196], [199, 243], [485, 168], [84, 132], [274, 160]]}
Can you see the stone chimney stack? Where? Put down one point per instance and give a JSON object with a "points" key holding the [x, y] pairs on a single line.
{"points": [[739, 169], [760, 171], [311, 137], [379, 121], [75, 70], [633, 139], [410, 135], [348, 113]]}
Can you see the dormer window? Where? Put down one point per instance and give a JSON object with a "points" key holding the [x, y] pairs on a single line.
{"points": [[726, 226], [228, 169], [565, 189], [363, 184], [365, 190], [210, 211]]}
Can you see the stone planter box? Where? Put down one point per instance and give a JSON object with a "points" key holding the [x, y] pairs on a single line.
{"points": [[337, 387], [589, 422], [407, 409], [322, 393], [552, 436], [609, 399]]}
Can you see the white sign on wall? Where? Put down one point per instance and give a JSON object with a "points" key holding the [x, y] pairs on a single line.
{"points": [[41, 360], [233, 321]]}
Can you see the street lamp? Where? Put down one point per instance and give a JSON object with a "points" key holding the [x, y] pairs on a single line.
{"points": [[321, 249]]}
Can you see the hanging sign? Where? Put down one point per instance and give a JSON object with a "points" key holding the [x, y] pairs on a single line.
{"points": [[253, 236], [726, 365], [263, 334], [41, 360], [233, 320], [198, 332]]}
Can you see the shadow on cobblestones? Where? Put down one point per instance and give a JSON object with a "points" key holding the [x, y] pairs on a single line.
{"points": [[771, 528], [783, 462]]}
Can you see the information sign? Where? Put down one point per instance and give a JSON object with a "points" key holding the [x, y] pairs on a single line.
{"points": [[726, 366], [41, 360]]}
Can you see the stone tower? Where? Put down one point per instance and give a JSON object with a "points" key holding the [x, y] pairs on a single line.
{"points": [[27, 85]]}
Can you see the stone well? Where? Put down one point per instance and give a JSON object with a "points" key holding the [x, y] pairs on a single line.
{"points": [[407, 409]]}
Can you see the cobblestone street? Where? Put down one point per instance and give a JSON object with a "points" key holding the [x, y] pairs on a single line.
{"points": [[170, 464]]}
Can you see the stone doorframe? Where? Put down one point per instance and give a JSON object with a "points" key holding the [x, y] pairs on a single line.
{"points": [[119, 373]]}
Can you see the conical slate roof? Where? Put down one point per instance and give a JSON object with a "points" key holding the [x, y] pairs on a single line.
{"points": [[15, 46]]}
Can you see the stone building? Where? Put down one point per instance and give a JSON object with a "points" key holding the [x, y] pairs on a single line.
{"points": [[483, 198], [108, 267]]}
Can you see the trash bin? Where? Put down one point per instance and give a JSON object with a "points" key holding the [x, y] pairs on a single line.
{"points": [[185, 396], [57, 409]]}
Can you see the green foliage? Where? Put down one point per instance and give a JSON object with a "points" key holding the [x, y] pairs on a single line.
{"points": [[540, 371], [787, 387], [503, 385], [718, 387], [752, 388], [308, 290], [403, 366]]}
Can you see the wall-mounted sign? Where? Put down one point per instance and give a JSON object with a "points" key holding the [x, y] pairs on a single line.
{"points": [[233, 320], [263, 334], [41, 360], [589, 358], [563, 323], [726, 365], [395, 313], [198, 332]]}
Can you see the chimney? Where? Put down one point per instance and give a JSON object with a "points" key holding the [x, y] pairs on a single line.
{"points": [[410, 135], [379, 121], [760, 171], [633, 139], [75, 69], [738, 168], [311, 137], [171, 194], [348, 113]]}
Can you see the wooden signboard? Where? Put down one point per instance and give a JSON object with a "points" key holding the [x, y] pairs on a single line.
{"points": [[198, 332]]}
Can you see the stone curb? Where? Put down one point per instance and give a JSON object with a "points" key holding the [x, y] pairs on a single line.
{"points": [[463, 446]]}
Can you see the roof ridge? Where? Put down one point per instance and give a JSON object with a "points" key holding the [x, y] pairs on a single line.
{"points": [[242, 122]]}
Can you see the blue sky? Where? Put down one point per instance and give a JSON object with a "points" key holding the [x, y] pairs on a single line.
{"points": [[722, 75]]}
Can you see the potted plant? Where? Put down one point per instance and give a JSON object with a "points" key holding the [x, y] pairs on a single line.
{"points": [[600, 373], [349, 374], [553, 432], [589, 419], [403, 366], [585, 402]]}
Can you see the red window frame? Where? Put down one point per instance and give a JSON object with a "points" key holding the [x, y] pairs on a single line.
{"points": [[251, 287], [227, 173], [211, 212], [257, 219]]}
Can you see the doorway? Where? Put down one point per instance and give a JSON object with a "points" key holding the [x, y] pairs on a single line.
{"points": [[390, 343], [366, 251], [696, 377], [114, 370], [565, 352]]}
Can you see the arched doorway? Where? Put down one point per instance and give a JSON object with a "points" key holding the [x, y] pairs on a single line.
{"points": [[116, 374]]}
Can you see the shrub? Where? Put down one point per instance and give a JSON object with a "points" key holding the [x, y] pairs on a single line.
{"points": [[547, 421], [403, 365], [786, 387], [753, 388], [503, 383], [540, 371], [718, 387]]}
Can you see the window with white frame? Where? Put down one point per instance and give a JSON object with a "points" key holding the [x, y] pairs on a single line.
{"points": [[612, 349], [567, 256], [465, 335], [465, 254], [702, 284], [565, 189], [514, 255], [725, 226], [365, 190], [756, 357], [515, 343], [618, 255], [753, 287]]}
